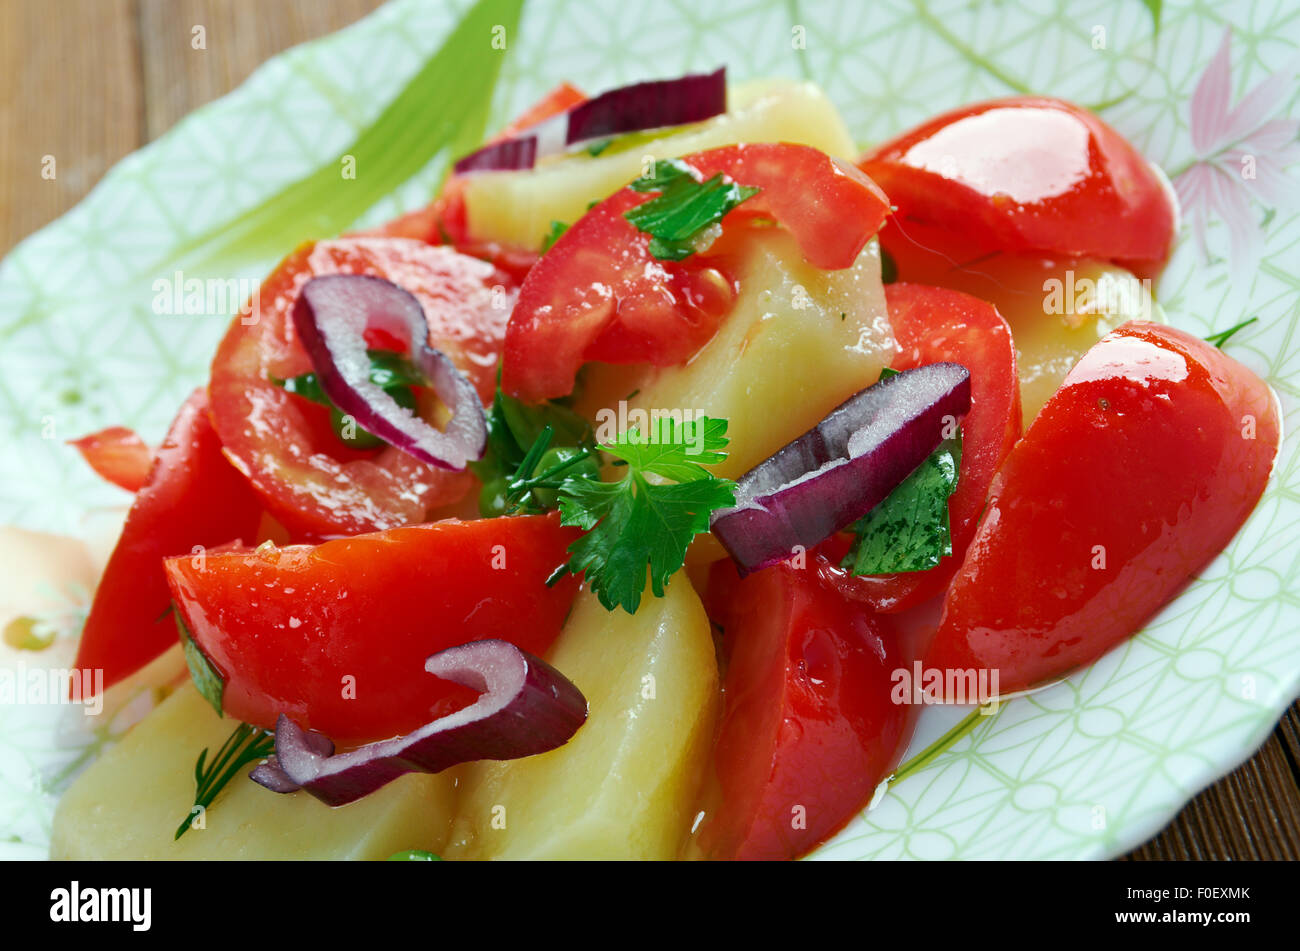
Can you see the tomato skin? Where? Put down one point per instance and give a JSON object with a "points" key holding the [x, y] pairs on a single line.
{"points": [[599, 295], [1140, 452], [117, 455], [192, 496], [286, 626], [932, 325], [1023, 174], [808, 719], [306, 478]]}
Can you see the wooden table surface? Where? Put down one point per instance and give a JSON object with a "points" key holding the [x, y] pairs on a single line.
{"points": [[89, 81]]}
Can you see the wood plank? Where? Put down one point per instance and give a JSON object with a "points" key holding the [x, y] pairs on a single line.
{"points": [[70, 89], [1252, 813], [240, 35]]}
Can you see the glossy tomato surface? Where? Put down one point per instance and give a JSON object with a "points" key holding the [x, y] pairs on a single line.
{"points": [[336, 635], [809, 727], [599, 294], [933, 325], [1024, 174], [118, 455], [191, 497], [1135, 474], [306, 477]]}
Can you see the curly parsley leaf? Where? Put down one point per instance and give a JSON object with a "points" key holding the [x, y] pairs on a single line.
{"points": [[909, 530], [675, 453], [684, 209], [636, 526]]}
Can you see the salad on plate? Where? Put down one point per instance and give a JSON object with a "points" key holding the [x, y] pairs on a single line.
{"points": [[634, 497]]}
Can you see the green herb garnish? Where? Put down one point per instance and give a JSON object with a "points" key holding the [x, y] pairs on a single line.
{"points": [[909, 530], [595, 148], [248, 744], [553, 235], [391, 372], [206, 679], [684, 209], [414, 855], [636, 525], [1224, 336], [514, 428], [888, 269]]}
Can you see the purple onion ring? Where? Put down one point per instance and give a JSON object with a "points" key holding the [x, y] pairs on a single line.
{"points": [[332, 314], [843, 467], [526, 707], [649, 105]]}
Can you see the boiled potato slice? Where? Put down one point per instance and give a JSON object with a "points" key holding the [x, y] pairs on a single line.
{"points": [[128, 804], [798, 342], [623, 787], [1056, 309], [1058, 317], [518, 207]]}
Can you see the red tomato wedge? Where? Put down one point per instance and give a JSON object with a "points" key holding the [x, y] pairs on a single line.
{"points": [[932, 325], [1135, 474], [336, 635], [308, 480], [192, 496], [599, 295], [808, 727], [117, 455], [1024, 174]]}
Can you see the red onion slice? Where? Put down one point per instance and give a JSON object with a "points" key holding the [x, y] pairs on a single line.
{"points": [[843, 467], [635, 108], [332, 314], [527, 707]]}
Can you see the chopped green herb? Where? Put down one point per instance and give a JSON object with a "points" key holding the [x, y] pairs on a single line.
{"points": [[246, 745], [557, 231], [636, 525], [209, 682], [684, 209], [414, 855], [514, 428], [595, 148], [888, 269], [662, 174], [1224, 336], [392, 372], [909, 530]]}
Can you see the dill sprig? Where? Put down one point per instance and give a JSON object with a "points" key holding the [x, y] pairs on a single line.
{"points": [[248, 744]]}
